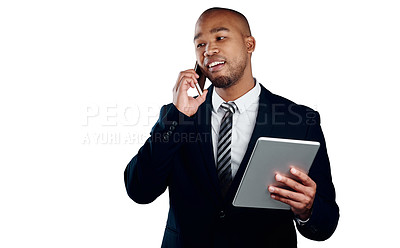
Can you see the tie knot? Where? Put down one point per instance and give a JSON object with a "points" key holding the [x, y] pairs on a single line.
{"points": [[229, 106]]}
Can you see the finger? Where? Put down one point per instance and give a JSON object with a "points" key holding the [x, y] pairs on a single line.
{"points": [[304, 178], [185, 83], [188, 73], [202, 98], [191, 71], [296, 186], [191, 80], [288, 194], [293, 204], [184, 79]]}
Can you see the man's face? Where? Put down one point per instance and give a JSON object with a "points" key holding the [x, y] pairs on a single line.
{"points": [[220, 48]]}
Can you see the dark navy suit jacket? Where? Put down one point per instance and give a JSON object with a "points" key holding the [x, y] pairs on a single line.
{"points": [[179, 156]]}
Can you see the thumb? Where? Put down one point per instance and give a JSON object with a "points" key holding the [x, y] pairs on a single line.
{"points": [[203, 97]]}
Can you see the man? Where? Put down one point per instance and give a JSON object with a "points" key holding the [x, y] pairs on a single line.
{"points": [[199, 149]]}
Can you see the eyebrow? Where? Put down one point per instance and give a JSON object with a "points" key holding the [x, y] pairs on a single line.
{"points": [[212, 31]]}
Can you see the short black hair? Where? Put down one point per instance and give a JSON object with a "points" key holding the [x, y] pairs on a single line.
{"points": [[237, 13]]}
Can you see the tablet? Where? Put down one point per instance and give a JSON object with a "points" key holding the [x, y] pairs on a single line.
{"points": [[272, 155]]}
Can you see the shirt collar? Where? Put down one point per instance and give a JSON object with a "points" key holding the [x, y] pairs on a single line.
{"points": [[242, 102]]}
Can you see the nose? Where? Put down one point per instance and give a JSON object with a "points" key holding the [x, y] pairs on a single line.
{"points": [[210, 50]]}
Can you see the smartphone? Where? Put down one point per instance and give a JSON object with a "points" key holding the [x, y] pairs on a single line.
{"points": [[201, 80]]}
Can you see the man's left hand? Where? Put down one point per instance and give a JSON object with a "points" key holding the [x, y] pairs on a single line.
{"points": [[302, 198]]}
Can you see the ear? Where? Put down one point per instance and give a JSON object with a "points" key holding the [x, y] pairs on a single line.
{"points": [[250, 44]]}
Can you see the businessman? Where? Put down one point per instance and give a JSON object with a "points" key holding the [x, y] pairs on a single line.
{"points": [[200, 146]]}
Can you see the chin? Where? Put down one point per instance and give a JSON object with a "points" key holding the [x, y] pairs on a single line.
{"points": [[223, 82]]}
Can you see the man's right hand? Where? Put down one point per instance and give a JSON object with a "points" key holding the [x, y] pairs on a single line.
{"points": [[183, 102]]}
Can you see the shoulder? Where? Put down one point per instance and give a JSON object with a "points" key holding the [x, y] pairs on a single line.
{"points": [[281, 106], [280, 100]]}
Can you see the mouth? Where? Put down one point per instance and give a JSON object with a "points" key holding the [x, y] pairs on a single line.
{"points": [[215, 66]]}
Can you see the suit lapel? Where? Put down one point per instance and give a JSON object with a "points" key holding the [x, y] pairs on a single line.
{"points": [[262, 128], [203, 126]]}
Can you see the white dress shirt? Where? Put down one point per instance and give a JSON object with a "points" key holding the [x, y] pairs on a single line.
{"points": [[244, 120]]}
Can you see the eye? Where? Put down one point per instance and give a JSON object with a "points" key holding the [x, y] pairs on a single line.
{"points": [[221, 37], [200, 45]]}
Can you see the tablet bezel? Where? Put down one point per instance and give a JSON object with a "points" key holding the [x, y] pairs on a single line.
{"points": [[253, 188]]}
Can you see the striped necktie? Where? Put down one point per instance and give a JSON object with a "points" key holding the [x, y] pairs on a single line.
{"points": [[224, 148]]}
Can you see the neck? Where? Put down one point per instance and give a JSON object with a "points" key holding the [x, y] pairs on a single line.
{"points": [[241, 87]]}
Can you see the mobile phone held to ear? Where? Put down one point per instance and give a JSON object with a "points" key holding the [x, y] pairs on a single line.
{"points": [[201, 80]]}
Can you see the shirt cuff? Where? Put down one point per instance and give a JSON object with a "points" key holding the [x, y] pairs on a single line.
{"points": [[301, 222]]}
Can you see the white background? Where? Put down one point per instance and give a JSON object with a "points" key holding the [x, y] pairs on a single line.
{"points": [[82, 83]]}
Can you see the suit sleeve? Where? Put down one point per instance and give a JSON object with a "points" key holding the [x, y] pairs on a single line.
{"points": [[146, 175], [325, 211]]}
